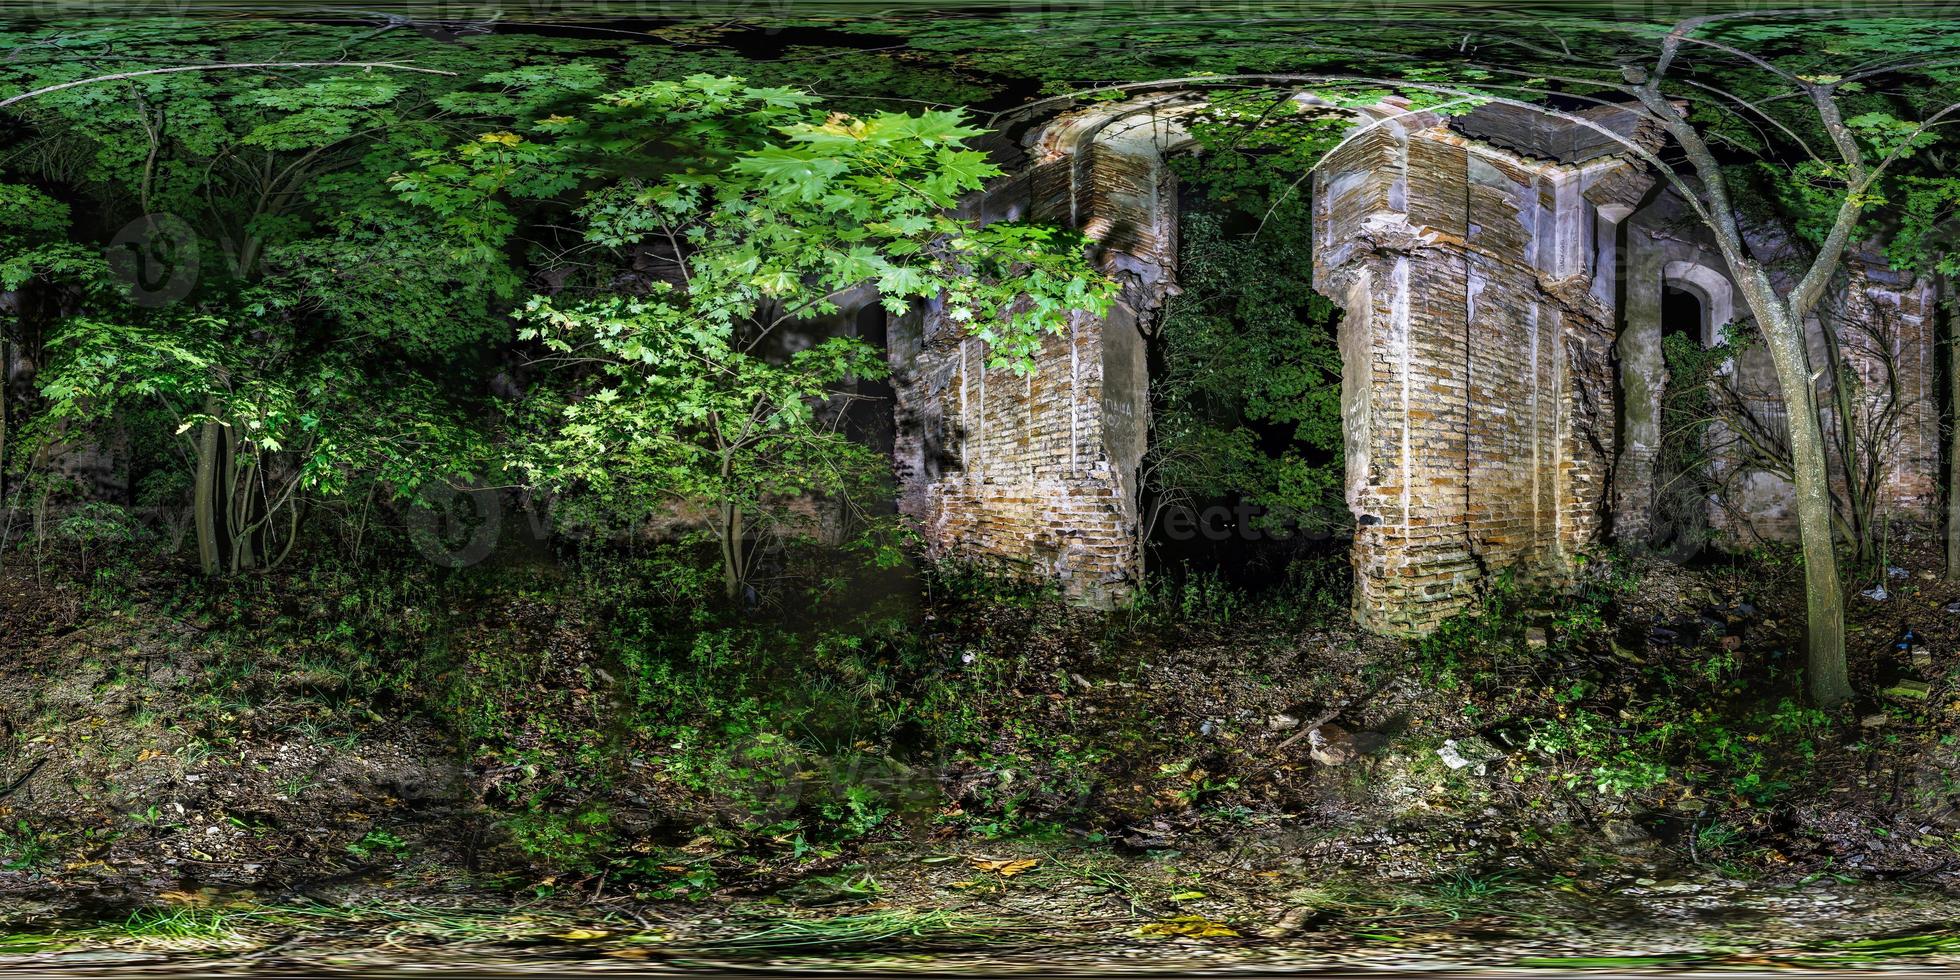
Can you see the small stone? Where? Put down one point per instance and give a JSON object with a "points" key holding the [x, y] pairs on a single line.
{"points": [[1922, 658], [1535, 638], [1875, 720], [1332, 745], [1464, 753], [1621, 833], [1917, 690], [1287, 924], [1676, 888], [1282, 722]]}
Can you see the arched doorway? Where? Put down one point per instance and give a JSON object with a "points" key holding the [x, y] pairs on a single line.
{"points": [[1679, 524]]}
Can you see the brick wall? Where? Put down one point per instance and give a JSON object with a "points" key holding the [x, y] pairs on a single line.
{"points": [[1499, 403], [1478, 393], [1036, 474], [1884, 325]]}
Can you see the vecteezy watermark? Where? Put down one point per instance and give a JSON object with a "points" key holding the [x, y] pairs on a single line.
{"points": [[156, 258], [1246, 521], [456, 527]]}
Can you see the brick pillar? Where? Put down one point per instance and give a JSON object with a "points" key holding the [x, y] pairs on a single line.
{"points": [[1036, 475], [1477, 398]]}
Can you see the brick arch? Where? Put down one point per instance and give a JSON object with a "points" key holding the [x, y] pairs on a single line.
{"points": [[1501, 275]]}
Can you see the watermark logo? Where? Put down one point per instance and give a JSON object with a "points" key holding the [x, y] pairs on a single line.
{"points": [[456, 527], [156, 258], [1246, 521]]}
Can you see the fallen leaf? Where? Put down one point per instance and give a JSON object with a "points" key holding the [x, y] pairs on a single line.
{"points": [[581, 934], [1006, 869], [1186, 896], [1188, 927]]}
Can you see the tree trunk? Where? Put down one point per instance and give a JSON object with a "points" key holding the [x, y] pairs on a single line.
{"points": [[1943, 306], [730, 534], [6, 411], [205, 499], [238, 492], [1783, 335]]}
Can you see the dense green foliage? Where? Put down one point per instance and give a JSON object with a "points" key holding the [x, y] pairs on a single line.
{"points": [[363, 231], [1247, 398], [305, 301]]}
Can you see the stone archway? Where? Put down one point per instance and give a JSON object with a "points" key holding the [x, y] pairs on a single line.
{"points": [[1478, 401], [1713, 288]]}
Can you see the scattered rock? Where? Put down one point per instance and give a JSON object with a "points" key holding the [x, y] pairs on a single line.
{"points": [[1282, 722], [1332, 745], [1922, 658], [1875, 720], [1534, 637], [1624, 833], [1676, 888], [1287, 924], [1468, 752], [1917, 690]]}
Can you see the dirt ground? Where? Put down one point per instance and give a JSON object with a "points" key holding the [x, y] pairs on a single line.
{"points": [[1279, 797]]}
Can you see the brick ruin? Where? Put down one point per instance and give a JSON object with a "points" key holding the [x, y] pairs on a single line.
{"points": [[1502, 281], [1885, 324], [1477, 358], [1038, 473]]}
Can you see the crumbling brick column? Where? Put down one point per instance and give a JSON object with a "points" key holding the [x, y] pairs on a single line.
{"points": [[1036, 475], [1478, 397]]}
